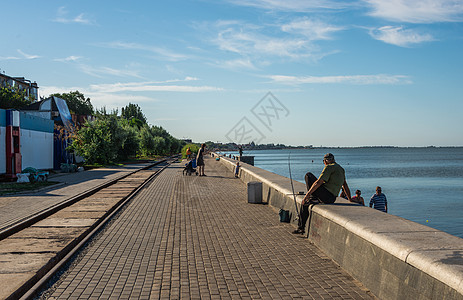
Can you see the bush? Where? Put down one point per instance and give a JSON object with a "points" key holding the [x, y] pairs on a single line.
{"points": [[110, 138], [95, 142], [104, 140], [193, 147]]}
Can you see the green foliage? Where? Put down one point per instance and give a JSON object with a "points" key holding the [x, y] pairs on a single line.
{"points": [[102, 112], [110, 138], [134, 122], [94, 142], [131, 145], [146, 141], [13, 98], [159, 146], [77, 103], [156, 140], [133, 111], [193, 147], [175, 145], [209, 145]]}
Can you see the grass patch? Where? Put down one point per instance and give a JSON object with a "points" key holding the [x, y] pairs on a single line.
{"points": [[13, 187]]}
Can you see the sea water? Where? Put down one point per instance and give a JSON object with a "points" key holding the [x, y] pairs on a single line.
{"points": [[424, 185]]}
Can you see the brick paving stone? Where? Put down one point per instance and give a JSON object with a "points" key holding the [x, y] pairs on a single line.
{"points": [[191, 237]]}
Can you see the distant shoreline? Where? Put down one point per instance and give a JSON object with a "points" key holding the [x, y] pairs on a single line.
{"points": [[399, 147], [347, 147]]}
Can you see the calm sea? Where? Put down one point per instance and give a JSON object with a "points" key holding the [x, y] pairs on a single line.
{"points": [[424, 185]]}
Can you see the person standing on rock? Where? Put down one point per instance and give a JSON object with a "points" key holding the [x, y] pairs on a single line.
{"points": [[324, 189]]}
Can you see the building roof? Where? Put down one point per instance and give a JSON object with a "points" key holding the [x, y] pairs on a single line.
{"points": [[20, 80]]}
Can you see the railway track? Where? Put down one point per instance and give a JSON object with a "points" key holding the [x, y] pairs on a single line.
{"points": [[34, 248]]}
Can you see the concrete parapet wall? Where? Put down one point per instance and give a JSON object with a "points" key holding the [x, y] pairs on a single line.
{"points": [[393, 257]]}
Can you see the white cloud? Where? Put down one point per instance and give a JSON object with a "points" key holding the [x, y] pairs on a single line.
{"points": [[250, 41], [113, 101], [312, 29], [399, 36], [166, 119], [45, 91], [348, 79], [135, 86], [27, 56], [69, 58], [117, 95], [165, 53], [293, 5], [98, 98], [237, 64], [150, 87], [62, 17], [99, 71], [8, 58], [417, 11]]}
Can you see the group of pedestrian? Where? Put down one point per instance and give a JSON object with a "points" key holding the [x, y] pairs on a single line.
{"points": [[327, 186], [199, 158]]}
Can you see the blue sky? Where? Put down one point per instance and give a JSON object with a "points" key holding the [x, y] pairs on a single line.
{"points": [[331, 73]]}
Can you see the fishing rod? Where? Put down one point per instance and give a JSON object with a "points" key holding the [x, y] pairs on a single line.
{"points": [[292, 187]]}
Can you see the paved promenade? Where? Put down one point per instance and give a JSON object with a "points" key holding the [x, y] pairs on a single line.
{"points": [[18, 206], [191, 237]]}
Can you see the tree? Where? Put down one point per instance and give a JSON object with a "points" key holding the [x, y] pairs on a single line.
{"points": [[146, 141], [111, 137], [105, 140], [13, 98], [77, 103], [175, 145], [94, 142], [159, 145], [133, 111], [131, 144]]}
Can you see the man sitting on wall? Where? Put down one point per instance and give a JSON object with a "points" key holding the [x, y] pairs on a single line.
{"points": [[324, 189]]}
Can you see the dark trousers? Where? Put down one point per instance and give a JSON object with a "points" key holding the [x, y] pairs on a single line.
{"points": [[320, 195]]}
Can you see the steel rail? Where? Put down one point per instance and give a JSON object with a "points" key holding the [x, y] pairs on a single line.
{"points": [[46, 212], [32, 288]]}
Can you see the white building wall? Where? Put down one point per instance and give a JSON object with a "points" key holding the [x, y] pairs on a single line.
{"points": [[2, 150], [36, 149]]}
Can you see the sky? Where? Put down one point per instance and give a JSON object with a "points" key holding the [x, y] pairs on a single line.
{"points": [[321, 73]]}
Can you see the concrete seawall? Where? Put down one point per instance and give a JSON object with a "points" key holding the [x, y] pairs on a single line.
{"points": [[393, 257]]}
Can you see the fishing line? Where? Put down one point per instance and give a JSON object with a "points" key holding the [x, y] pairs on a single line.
{"points": [[292, 186]]}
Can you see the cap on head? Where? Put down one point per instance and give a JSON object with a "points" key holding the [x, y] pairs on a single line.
{"points": [[329, 157]]}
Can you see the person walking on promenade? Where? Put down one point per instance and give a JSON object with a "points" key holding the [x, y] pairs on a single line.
{"points": [[237, 169], [200, 160], [378, 200], [357, 198], [324, 189]]}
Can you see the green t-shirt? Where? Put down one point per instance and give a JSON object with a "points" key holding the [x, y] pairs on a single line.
{"points": [[334, 176]]}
